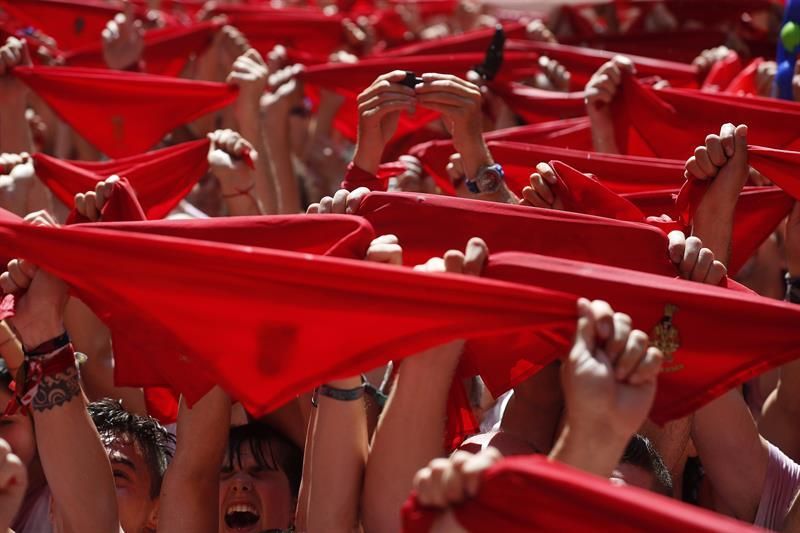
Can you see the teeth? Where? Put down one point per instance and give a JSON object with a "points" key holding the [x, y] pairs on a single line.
{"points": [[241, 508]]}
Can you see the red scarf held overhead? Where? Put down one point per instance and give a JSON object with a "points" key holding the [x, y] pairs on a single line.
{"points": [[507, 227], [166, 50], [722, 73], [122, 205], [706, 332], [272, 313], [756, 217], [576, 133], [161, 178], [583, 62], [539, 105], [472, 41], [779, 166], [303, 31], [531, 493], [744, 84], [123, 113], [72, 24], [671, 123]]}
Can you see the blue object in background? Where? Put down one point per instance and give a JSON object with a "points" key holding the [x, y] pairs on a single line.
{"points": [[788, 46]]}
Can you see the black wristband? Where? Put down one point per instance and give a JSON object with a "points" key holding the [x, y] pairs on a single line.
{"points": [[343, 395], [49, 347]]}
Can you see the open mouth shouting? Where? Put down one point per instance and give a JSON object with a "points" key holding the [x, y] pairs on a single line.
{"points": [[242, 517]]}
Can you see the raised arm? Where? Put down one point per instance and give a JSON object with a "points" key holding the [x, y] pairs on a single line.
{"points": [[723, 161], [249, 73], [609, 382], [600, 92], [410, 432], [227, 156], [338, 444], [780, 411], [190, 492], [73, 457], [287, 93]]}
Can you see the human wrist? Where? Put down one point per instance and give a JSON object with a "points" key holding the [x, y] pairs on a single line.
{"points": [[474, 155], [368, 157], [39, 332], [596, 449]]}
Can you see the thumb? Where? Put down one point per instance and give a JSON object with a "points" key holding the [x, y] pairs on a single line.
{"points": [[585, 333], [740, 144]]}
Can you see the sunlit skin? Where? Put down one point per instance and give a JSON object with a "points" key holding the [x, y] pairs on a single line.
{"points": [[137, 511]]}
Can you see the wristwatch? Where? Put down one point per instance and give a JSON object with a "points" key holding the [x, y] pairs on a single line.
{"points": [[487, 181]]}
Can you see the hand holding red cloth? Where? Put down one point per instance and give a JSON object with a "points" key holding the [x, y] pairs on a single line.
{"points": [[123, 113], [532, 493], [161, 178]]}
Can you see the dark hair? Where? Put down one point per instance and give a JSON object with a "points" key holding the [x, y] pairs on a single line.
{"points": [[153, 439], [270, 449], [5, 374], [641, 452]]}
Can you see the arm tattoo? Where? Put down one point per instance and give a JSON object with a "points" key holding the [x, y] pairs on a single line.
{"points": [[56, 390]]}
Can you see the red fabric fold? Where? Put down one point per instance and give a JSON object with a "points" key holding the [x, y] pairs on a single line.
{"points": [[166, 50], [722, 73], [621, 174], [71, 24], [583, 62], [671, 123], [305, 31], [161, 178], [575, 133], [779, 166], [123, 113], [472, 41], [704, 361], [122, 205], [538, 105], [745, 82], [531, 493], [276, 347]]}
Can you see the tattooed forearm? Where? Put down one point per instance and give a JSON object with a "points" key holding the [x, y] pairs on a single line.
{"points": [[55, 391]]}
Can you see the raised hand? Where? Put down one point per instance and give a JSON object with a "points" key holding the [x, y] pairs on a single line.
{"points": [[413, 178], [91, 203], [603, 85], [249, 73], [706, 59], [230, 157], [123, 40], [385, 249], [554, 76], [447, 482], [537, 31], [695, 262], [13, 53], [459, 101], [723, 161], [609, 377], [379, 108], [341, 203], [540, 193], [40, 310], [470, 262]]}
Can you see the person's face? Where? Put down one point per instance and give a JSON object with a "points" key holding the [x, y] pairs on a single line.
{"points": [[253, 498], [137, 511], [628, 474], [17, 430]]}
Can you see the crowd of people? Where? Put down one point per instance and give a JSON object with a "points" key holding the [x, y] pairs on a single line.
{"points": [[399, 265]]}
